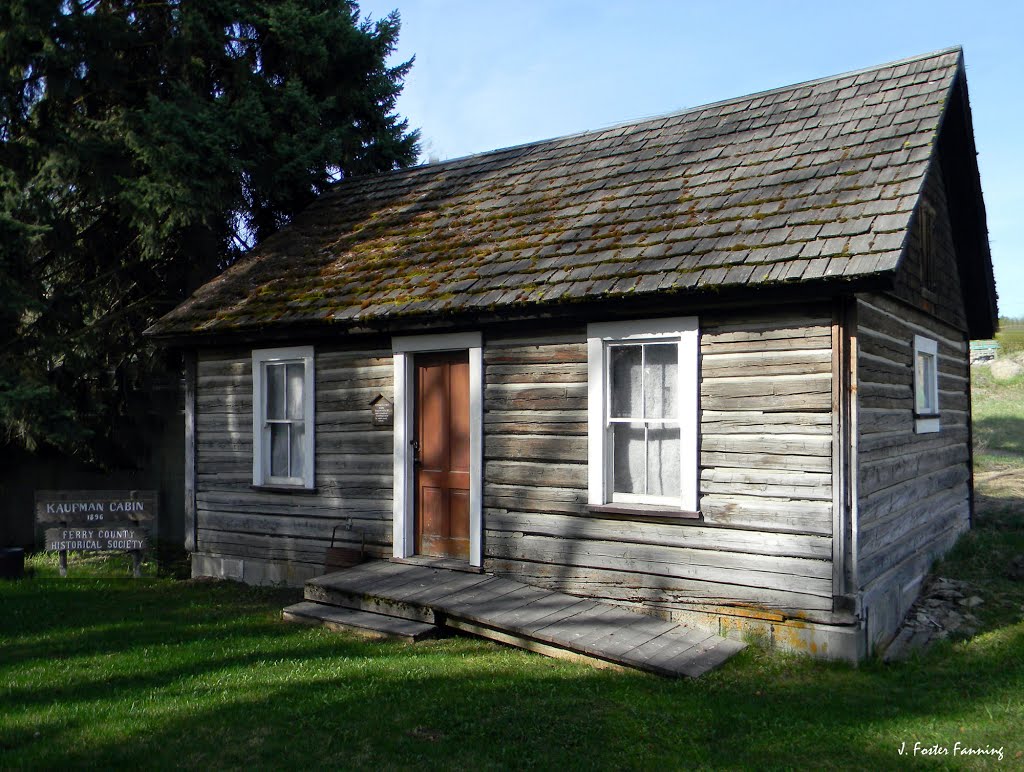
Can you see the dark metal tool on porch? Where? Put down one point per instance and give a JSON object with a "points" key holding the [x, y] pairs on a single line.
{"points": [[337, 558]]}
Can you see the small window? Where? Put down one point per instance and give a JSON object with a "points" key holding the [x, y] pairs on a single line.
{"points": [[926, 385], [283, 417], [642, 407]]}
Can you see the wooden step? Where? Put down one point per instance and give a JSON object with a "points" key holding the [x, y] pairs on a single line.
{"points": [[530, 617], [391, 589], [360, 622]]}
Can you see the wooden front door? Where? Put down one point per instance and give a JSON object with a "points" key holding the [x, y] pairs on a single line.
{"points": [[442, 454]]}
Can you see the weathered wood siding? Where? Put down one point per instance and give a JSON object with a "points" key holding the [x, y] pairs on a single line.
{"points": [[765, 481], [931, 283], [913, 489], [353, 463], [765, 478]]}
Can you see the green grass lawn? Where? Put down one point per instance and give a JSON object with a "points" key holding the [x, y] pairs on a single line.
{"points": [[105, 672], [102, 671], [998, 411]]}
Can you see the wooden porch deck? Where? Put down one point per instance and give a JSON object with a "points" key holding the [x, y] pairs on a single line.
{"points": [[412, 600]]}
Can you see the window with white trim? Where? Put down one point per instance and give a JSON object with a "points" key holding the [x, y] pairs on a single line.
{"points": [[926, 385], [282, 406], [642, 410]]}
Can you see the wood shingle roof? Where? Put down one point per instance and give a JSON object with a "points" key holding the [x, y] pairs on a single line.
{"points": [[814, 182]]}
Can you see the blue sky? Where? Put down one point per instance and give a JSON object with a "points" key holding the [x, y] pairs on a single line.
{"points": [[494, 74]]}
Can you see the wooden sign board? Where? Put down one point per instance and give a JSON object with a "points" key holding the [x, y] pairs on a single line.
{"points": [[108, 537], [97, 521], [96, 507]]}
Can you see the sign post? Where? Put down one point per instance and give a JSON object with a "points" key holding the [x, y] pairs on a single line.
{"points": [[122, 521]]}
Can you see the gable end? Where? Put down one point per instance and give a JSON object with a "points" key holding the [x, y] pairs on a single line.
{"points": [[967, 213]]}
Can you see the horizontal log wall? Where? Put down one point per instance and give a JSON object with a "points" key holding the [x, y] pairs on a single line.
{"points": [[765, 478], [353, 463], [913, 489], [766, 421]]}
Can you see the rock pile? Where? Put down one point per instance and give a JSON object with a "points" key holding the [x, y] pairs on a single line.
{"points": [[943, 609], [1006, 369]]}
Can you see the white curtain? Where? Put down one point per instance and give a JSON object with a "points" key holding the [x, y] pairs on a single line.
{"points": [[643, 385]]}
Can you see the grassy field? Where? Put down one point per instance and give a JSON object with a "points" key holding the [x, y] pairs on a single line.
{"points": [[1011, 337], [998, 411], [101, 671]]}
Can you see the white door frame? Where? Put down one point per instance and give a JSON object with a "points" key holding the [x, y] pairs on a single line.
{"points": [[403, 348]]}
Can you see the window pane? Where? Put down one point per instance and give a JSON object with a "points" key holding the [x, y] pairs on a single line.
{"points": [[298, 451], [919, 382], [275, 391], [624, 376], [628, 458], [925, 379], [933, 384], [660, 379], [663, 461], [296, 383], [279, 450]]}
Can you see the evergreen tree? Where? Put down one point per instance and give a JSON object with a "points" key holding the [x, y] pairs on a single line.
{"points": [[144, 144]]}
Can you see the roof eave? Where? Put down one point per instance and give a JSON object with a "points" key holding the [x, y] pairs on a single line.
{"points": [[583, 310]]}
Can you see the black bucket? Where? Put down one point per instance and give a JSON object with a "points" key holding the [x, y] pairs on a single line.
{"points": [[12, 562]]}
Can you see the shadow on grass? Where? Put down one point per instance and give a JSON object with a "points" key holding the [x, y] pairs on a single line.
{"points": [[196, 676], [113, 615], [1002, 434], [491, 714]]}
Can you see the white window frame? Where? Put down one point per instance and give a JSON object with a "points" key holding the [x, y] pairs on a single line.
{"points": [[926, 421], [600, 337], [260, 428]]}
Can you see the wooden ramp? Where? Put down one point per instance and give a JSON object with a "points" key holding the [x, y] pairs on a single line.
{"points": [[511, 612]]}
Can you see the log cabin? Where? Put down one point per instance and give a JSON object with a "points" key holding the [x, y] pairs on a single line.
{"points": [[713, 365]]}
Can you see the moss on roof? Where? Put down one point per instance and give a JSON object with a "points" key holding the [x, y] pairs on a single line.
{"points": [[814, 181]]}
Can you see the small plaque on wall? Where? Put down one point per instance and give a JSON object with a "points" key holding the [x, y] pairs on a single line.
{"points": [[382, 411]]}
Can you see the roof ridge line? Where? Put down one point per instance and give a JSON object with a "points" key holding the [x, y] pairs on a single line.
{"points": [[651, 118]]}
